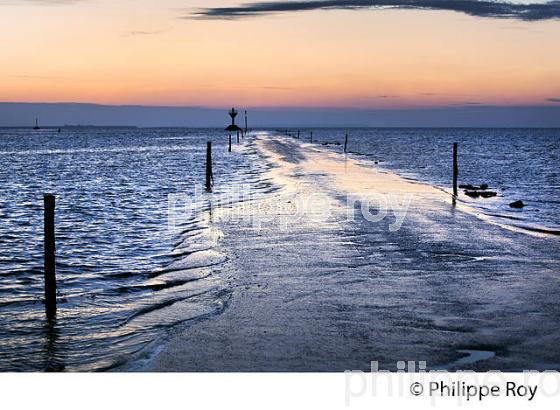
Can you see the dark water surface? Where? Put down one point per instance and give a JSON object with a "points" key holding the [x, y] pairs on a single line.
{"points": [[519, 164], [125, 279]]}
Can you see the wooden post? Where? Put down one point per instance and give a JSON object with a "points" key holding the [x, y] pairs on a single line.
{"points": [[50, 270], [312, 137], [238, 137], [455, 169], [208, 166], [229, 149], [245, 121], [345, 142], [298, 134]]}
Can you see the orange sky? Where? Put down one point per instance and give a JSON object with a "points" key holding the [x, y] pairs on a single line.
{"points": [[141, 52]]}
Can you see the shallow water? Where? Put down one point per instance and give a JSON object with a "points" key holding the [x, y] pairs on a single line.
{"points": [[325, 288], [519, 164], [125, 279], [473, 356]]}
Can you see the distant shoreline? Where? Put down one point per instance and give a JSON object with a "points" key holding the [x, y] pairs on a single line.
{"points": [[461, 116], [266, 128]]}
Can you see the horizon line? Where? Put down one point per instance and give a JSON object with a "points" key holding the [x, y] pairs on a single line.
{"points": [[277, 128], [550, 103]]}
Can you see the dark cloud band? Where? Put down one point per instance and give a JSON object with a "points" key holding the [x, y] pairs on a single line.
{"points": [[480, 8]]}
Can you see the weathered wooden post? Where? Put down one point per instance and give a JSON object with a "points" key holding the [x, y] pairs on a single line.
{"points": [[209, 166], [455, 169], [229, 149], [238, 137], [50, 270], [298, 134], [245, 122], [345, 142], [312, 137]]}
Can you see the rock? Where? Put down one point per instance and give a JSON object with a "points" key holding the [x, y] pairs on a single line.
{"points": [[517, 204], [470, 187], [483, 194], [472, 194]]}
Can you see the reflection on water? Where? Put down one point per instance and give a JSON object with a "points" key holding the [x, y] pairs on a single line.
{"points": [[53, 363], [517, 163], [123, 277]]}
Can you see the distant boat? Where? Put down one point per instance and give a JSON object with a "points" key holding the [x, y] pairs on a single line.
{"points": [[36, 127]]}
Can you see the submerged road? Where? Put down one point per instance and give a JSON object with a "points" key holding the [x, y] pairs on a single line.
{"points": [[317, 290]]}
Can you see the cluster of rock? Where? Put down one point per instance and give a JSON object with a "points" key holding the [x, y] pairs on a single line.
{"points": [[478, 191], [482, 192]]}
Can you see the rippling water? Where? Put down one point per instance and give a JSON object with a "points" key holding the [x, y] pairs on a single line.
{"points": [[123, 276], [519, 164]]}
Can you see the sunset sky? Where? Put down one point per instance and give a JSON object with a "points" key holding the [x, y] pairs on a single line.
{"points": [[169, 52]]}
